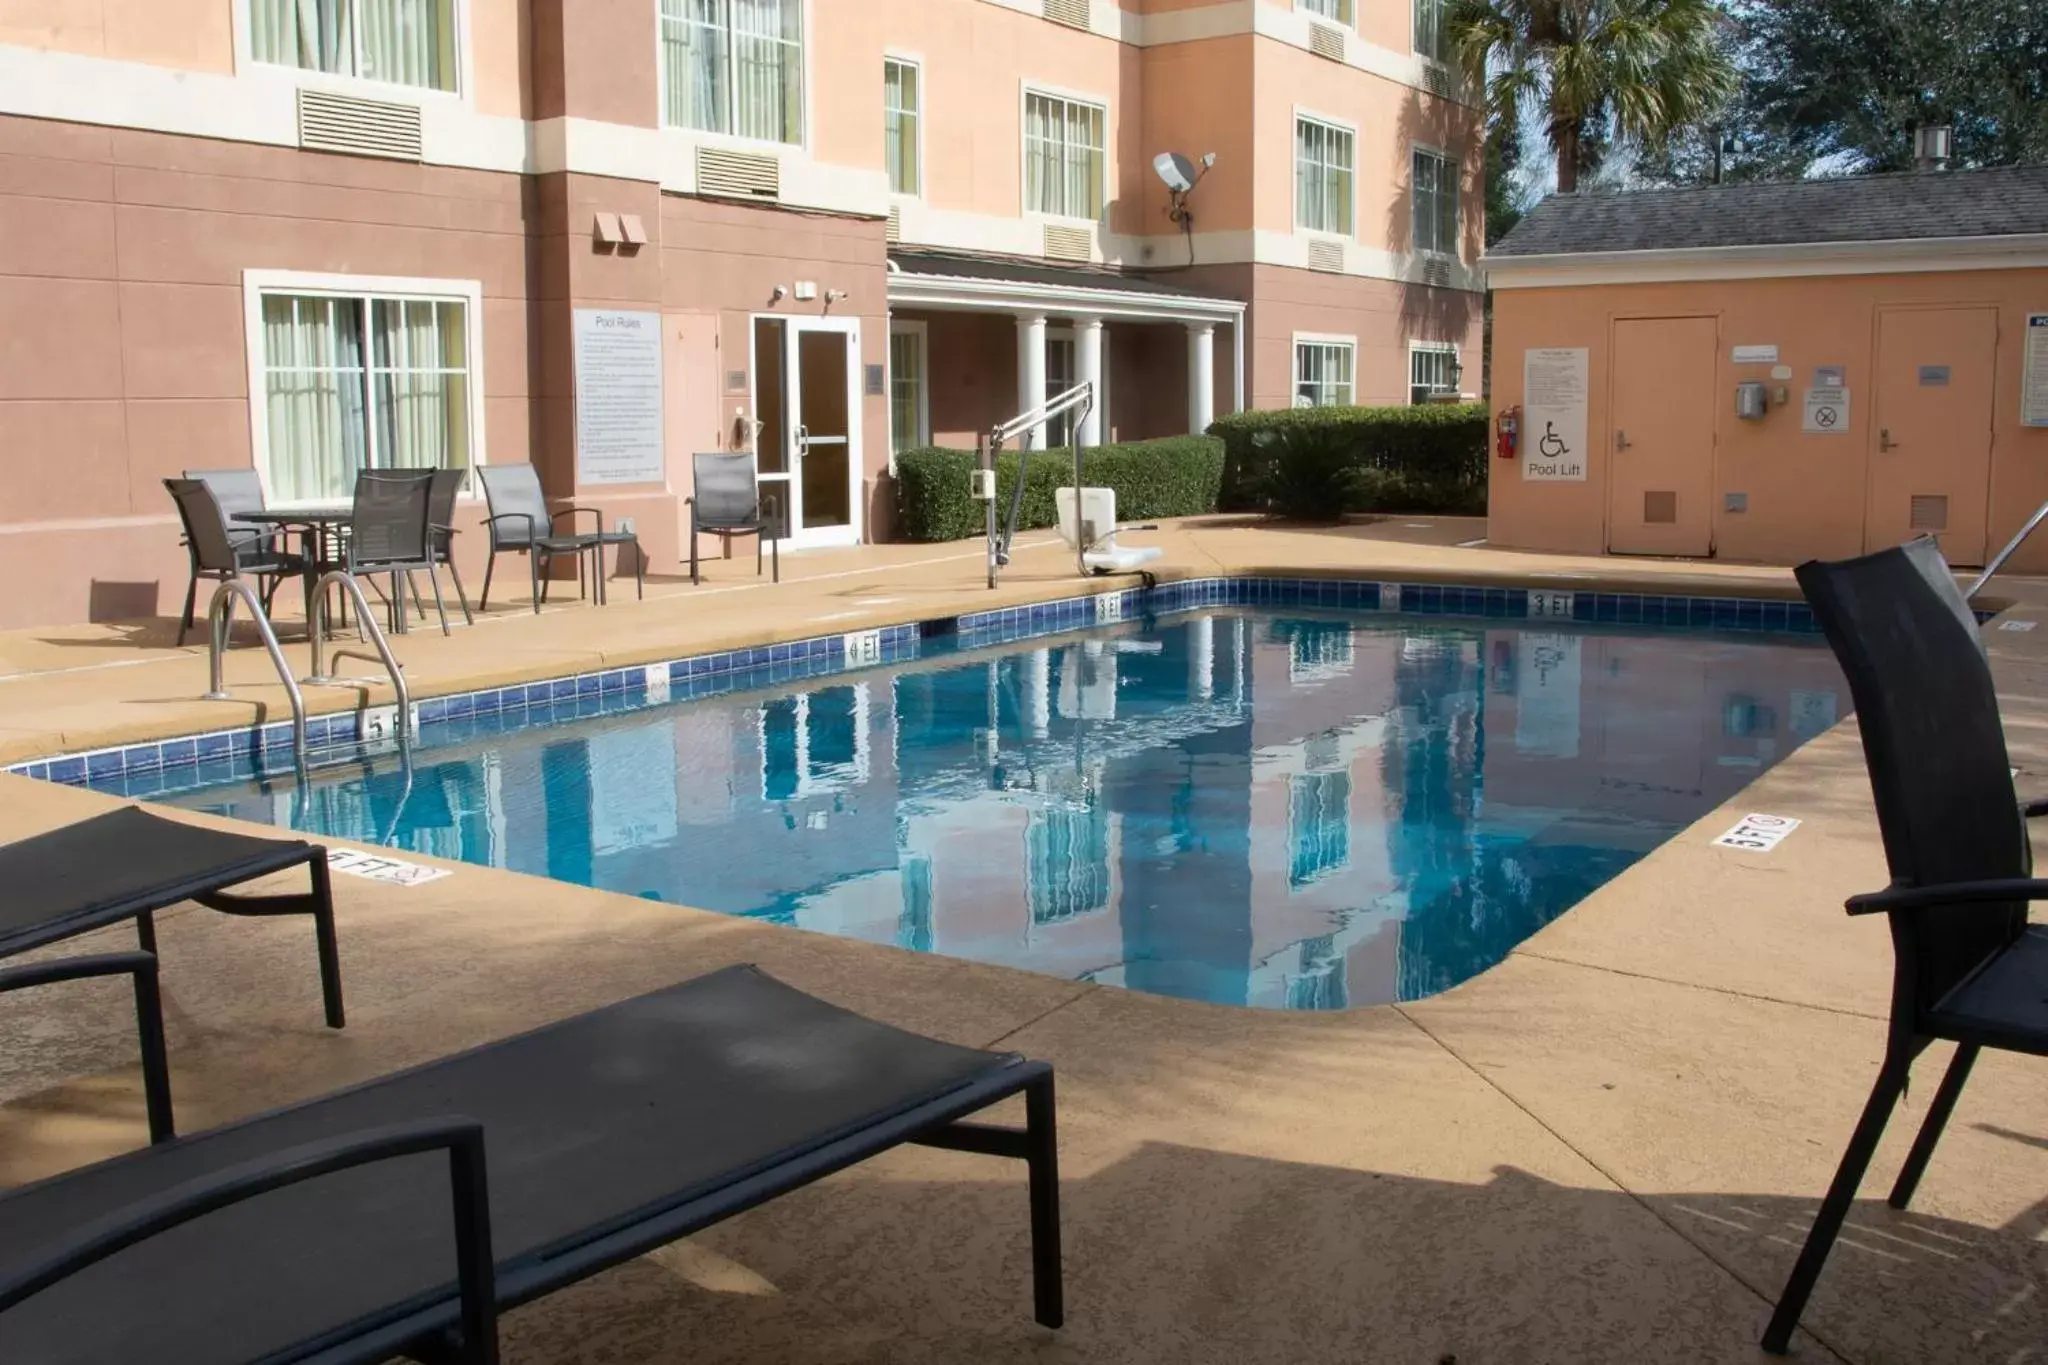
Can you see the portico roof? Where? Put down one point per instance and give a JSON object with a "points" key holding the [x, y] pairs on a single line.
{"points": [[923, 278]]}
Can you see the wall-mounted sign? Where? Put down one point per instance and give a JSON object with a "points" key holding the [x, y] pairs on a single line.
{"points": [[618, 397], [2034, 385], [1831, 376], [1554, 390], [1934, 376], [1827, 412], [1755, 355]]}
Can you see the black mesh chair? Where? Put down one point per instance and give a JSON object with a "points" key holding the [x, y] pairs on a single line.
{"points": [[391, 532], [1969, 968], [237, 491], [520, 523], [218, 552], [445, 487], [725, 499]]}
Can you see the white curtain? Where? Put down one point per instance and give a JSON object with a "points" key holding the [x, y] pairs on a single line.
{"points": [[313, 372], [694, 55], [419, 358], [409, 42], [312, 34], [900, 104], [1063, 155], [767, 63]]}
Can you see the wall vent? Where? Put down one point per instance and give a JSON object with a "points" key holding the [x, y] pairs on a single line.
{"points": [[1326, 256], [1660, 509], [358, 127], [1069, 243], [895, 229], [1930, 512], [1323, 40], [738, 175], [1072, 13]]}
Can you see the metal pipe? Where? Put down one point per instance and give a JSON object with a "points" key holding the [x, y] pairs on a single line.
{"points": [[317, 628], [220, 614], [1079, 400], [1998, 560]]}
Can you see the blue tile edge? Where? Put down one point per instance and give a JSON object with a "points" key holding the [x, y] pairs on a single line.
{"points": [[252, 751]]}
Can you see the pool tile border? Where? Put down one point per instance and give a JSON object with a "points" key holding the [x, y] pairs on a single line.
{"points": [[190, 761]]}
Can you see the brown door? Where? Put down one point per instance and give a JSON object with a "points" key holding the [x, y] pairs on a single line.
{"points": [[1661, 448], [1930, 466]]}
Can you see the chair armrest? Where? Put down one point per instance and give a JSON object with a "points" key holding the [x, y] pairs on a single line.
{"points": [[1893, 899], [149, 1018], [574, 512], [461, 1138]]}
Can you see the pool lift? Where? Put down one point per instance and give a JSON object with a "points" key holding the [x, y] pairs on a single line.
{"points": [[1087, 516]]}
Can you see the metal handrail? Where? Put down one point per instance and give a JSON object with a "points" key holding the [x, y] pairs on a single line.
{"points": [[220, 616], [366, 620], [1079, 400], [2011, 546]]}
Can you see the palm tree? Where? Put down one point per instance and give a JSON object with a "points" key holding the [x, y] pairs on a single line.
{"points": [[1637, 70]]}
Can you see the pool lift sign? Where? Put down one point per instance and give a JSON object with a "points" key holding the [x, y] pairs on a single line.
{"points": [[1554, 396]]}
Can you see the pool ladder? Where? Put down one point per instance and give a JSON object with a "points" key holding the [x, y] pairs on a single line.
{"points": [[220, 614]]}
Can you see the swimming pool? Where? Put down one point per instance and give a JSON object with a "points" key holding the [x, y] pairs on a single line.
{"points": [[1288, 809]]}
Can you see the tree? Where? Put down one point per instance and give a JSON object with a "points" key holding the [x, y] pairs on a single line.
{"points": [[1595, 71], [1842, 84]]}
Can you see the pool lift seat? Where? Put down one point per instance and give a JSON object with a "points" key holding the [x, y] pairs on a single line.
{"points": [[1087, 516]]}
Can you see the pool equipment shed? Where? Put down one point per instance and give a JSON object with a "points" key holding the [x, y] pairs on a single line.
{"points": [[1775, 372]]}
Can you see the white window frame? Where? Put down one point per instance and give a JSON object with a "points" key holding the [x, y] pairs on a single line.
{"points": [[246, 64], [256, 284], [1457, 174], [1416, 348], [1334, 125], [710, 137], [1301, 339], [1025, 91], [920, 330], [1440, 57], [896, 58], [1346, 15]]}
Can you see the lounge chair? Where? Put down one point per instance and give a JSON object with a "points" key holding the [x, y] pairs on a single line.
{"points": [[126, 865], [322, 1231], [1969, 968]]}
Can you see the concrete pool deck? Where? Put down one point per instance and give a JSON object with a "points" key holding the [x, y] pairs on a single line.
{"points": [[1605, 1149]]}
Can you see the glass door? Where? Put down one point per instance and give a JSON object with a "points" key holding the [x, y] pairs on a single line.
{"points": [[807, 401]]}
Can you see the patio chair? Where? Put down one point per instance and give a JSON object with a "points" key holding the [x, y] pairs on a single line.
{"points": [[127, 865], [445, 487], [220, 551], [237, 491], [321, 1231], [520, 523], [725, 499], [391, 532], [1968, 966]]}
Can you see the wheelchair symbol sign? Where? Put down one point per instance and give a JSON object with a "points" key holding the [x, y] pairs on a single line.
{"points": [[1552, 445]]}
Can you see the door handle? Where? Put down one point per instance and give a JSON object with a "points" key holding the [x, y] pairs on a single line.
{"points": [[803, 440], [1621, 441], [1885, 441]]}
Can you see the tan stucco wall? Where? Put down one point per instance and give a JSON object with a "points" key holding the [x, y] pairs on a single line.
{"points": [[189, 35], [1805, 493]]}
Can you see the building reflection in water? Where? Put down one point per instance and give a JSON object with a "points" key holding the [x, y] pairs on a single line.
{"points": [[1287, 812]]}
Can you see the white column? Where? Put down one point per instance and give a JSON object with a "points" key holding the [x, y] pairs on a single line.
{"points": [[1202, 657], [1088, 364], [1201, 376], [1031, 374]]}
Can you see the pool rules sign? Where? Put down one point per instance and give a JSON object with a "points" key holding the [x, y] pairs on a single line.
{"points": [[618, 397], [1554, 392]]}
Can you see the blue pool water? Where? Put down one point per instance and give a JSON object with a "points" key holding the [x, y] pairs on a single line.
{"points": [[1281, 810]]}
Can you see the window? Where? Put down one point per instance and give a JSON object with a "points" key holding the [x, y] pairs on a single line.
{"points": [[1322, 373], [1063, 164], [1436, 203], [735, 66], [1432, 371], [1060, 375], [360, 382], [1339, 10], [1433, 29], [1318, 826], [902, 102], [908, 409], [1322, 176], [405, 42]]}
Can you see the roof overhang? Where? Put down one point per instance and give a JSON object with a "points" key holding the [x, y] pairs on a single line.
{"points": [[1912, 256], [959, 293]]}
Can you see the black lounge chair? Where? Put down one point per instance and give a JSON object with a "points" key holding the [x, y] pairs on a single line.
{"points": [[128, 864], [1969, 968], [321, 1232]]}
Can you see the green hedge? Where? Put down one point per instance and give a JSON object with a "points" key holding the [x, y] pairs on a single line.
{"points": [[1175, 477], [1429, 458]]}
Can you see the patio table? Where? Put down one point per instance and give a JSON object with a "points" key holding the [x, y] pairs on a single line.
{"points": [[321, 527]]}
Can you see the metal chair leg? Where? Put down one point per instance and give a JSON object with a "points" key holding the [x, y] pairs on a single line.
{"points": [[460, 596], [484, 603], [696, 578], [1938, 1112], [540, 581], [1834, 1209], [440, 606], [639, 573], [324, 942], [191, 601], [1043, 1162], [418, 605]]}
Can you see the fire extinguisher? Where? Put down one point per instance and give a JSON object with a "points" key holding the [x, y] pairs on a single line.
{"points": [[1510, 437]]}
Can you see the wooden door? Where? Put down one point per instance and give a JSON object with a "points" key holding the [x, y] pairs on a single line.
{"points": [[1930, 462], [1661, 443]]}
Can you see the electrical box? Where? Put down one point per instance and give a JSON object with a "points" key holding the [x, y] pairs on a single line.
{"points": [[1751, 401], [984, 485]]}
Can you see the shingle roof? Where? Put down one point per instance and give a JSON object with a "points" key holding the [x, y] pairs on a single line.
{"points": [[961, 265], [1874, 208]]}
